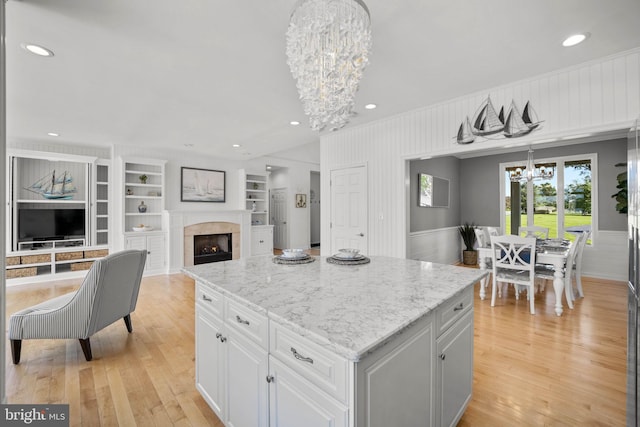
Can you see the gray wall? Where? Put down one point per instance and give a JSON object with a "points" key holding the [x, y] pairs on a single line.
{"points": [[422, 218], [480, 198]]}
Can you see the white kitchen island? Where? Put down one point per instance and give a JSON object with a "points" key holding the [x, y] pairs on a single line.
{"points": [[389, 343]]}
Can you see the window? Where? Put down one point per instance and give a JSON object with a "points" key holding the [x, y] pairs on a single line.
{"points": [[566, 202]]}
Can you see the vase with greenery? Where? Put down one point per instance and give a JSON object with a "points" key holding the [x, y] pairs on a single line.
{"points": [[143, 178], [468, 234]]}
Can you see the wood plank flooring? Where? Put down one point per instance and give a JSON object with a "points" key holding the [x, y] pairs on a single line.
{"points": [[528, 370]]}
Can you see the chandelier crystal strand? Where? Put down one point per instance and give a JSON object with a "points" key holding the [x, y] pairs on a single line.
{"points": [[328, 44]]}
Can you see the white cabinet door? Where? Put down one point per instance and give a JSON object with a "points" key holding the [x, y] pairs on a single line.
{"points": [[154, 246], [247, 387], [210, 360], [155, 252], [395, 385], [294, 401], [454, 370], [136, 243], [261, 240]]}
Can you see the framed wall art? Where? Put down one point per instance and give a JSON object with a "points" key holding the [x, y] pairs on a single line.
{"points": [[202, 185], [301, 200]]}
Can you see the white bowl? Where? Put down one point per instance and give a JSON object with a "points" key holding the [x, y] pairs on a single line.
{"points": [[143, 228], [348, 253], [292, 253]]}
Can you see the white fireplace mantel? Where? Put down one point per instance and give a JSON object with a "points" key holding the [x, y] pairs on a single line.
{"points": [[176, 221]]}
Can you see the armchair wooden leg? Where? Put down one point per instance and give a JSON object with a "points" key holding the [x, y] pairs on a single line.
{"points": [[16, 346], [127, 321], [86, 348]]}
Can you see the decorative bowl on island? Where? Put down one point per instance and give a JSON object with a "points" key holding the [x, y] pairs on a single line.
{"points": [[293, 253], [347, 253]]}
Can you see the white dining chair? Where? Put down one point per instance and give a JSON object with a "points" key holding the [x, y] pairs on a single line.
{"points": [[493, 231], [581, 242], [514, 260], [546, 272], [534, 231]]}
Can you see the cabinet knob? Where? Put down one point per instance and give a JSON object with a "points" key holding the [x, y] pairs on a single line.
{"points": [[223, 339], [270, 378], [360, 234], [458, 307], [442, 356]]}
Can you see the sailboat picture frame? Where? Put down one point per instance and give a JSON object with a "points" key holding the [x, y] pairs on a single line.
{"points": [[202, 185]]}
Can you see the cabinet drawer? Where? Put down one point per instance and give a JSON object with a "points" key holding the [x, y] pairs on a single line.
{"points": [[449, 312], [209, 299], [250, 324], [320, 366]]}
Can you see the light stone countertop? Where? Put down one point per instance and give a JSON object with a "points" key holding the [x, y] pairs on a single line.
{"points": [[348, 309]]}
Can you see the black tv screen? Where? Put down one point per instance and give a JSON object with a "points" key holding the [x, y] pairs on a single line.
{"points": [[50, 224]]}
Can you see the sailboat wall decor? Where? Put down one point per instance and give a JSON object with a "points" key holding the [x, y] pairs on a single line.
{"points": [[52, 186], [488, 124]]}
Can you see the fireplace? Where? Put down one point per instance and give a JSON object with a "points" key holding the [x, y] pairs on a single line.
{"points": [[212, 248], [226, 248]]}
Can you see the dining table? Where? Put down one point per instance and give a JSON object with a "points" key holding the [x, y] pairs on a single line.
{"points": [[553, 252]]}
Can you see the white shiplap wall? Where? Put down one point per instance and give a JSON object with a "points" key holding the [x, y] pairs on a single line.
{"points": [[594, 97]]}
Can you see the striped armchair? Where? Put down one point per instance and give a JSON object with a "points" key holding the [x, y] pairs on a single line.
{"points": [[109, 292]]}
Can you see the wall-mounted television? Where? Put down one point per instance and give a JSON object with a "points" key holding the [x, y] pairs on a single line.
{"points": [[50, 224]]}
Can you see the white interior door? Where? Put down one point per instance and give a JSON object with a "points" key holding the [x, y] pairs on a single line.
{"points": [[278, 210], [349, 225]]}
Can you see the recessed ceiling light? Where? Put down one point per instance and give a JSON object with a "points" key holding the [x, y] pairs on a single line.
{"points": [[268, 167], [294, 123], [36, 49], [188, 145], [370, 106], [236, 145], [53, 134], [575, 39]]}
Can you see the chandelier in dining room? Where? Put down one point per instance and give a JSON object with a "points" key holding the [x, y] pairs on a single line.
{"points": [[531, 171], [328, 44]]}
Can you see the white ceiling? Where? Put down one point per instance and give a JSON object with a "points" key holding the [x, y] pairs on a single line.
{"points": [[213, 73]]}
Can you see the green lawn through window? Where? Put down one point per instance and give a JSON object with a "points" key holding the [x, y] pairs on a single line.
{"points": [[551, 221]]}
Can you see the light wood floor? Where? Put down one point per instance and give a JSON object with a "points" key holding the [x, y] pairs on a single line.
{"points": [[528, 370]]}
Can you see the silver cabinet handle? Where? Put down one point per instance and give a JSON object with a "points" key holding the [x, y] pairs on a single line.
{"points": [[270, 378], [206, 298], [458, 307], [241, 320], [300, 357], [220, 337]]}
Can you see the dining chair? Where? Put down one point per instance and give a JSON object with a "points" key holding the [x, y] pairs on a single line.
{"points": [[493, 231], [109, 292], [514, 259], [534, 231], [581, 242], [481, 238], [546, 272]]}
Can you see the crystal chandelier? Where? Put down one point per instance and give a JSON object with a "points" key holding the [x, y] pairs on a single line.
{"points": [[531, 172], [328, 44]]}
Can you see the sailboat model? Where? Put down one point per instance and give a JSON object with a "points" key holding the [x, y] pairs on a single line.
{"points": [[487, 121], [518, 124], [51, 186], [465, 133]]}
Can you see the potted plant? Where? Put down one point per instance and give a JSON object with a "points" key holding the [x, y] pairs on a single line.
{"points": [[143, 178], [468, 234]]}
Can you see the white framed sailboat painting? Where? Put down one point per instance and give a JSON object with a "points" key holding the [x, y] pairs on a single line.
{"points": [[487, 123], [202, 185]]}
